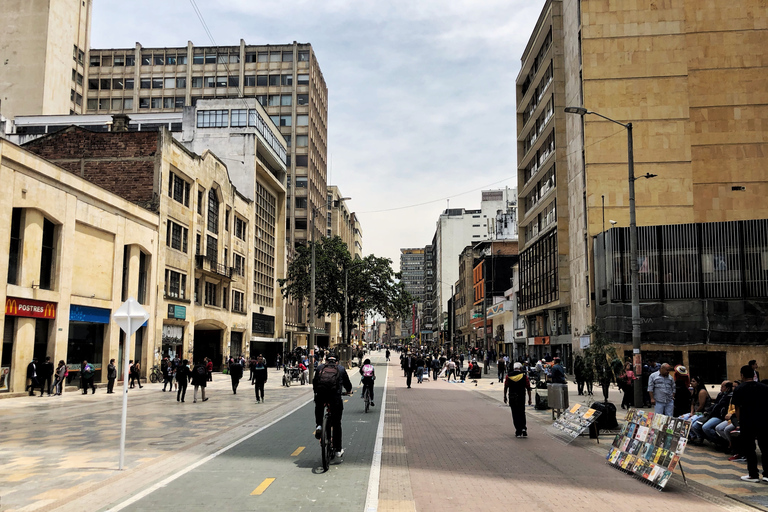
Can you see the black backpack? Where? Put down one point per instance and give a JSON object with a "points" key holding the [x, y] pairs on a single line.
{"points": [[327, 380], [201, 370]]}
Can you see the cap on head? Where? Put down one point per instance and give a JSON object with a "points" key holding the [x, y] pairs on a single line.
{"points": [[517, 366], [331, 359]]}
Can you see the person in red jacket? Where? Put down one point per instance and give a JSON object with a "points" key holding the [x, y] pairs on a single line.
{"points": [[515, 386]]}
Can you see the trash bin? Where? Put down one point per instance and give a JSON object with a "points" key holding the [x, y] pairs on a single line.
{"points": [[557, 396]]}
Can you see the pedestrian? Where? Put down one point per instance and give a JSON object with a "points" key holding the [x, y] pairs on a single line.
{"points": [[501, 368], [753, 364], [515, 386], [135, 372], [578, 373], [277, 362], [61, 375], [44, 376], [409, 365], [87, 372], [750, 399], [252, 367], [558, 372], [183, 376], [236, 373], [208, 369], [682, 396], [661, 388], [111, 376], [199, 379], [387, 354], [419, 369], [32, 377], [168, 376], [260, 378], [435, 368], [626, 383]]}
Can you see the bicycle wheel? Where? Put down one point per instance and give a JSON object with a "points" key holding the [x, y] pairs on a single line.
{"points": [[153, 378], [325, 443]]}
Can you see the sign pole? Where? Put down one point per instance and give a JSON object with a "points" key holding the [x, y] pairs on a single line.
{"points": [[123, 421]]}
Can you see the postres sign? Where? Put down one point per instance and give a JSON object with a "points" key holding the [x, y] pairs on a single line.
{"points": [[29, 308]]}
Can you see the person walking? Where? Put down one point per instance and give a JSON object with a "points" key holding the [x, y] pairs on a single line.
{"points": [[515, 386], [208, 369], [111, 376], [87, 372], [44, 376], [578, 374], [661, 388], [183, 376], [260, 378], [168, 377], [135, 372], [252, 367], [750, 399], [61, 375], [419, 369], [199, 379], [32, 376], [387, 354], [409, 365], [236, 373], [501, 368]]}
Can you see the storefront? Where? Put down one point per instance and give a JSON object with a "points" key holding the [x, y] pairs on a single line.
{"points": [[87, 327], [17, 310], [173, 334]]}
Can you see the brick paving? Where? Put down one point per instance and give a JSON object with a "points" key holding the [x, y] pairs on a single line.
{"points": [[461, 454]]}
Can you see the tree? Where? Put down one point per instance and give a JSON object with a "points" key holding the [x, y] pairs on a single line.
{"points": [[372, 286]]}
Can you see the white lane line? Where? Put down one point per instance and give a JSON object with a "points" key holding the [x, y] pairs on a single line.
{"points": [[372, 498], [149, 490]]}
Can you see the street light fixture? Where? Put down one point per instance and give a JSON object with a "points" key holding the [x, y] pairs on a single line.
{"points": [[638, 359]]}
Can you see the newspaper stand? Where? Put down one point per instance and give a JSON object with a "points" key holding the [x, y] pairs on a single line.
{"points": [[649, 447], [573, 423]]}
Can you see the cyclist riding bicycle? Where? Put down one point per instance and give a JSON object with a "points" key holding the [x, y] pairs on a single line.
{"points": [[329, 382], [369, 375]]}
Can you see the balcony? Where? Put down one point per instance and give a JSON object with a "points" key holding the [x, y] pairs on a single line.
{"points": [[211, 266]]}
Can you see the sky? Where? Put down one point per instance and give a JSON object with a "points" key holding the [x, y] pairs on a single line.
{"points": [[421, 93]]}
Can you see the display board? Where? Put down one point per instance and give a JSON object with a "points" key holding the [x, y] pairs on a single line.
{"points": [[574, 422], [649, 446]]}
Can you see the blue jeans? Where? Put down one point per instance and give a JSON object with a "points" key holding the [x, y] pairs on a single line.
{"points": [[667, 409], [709, 432], [420, 373]]}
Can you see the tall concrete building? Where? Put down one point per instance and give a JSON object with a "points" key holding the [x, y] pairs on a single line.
{"points": [[692, 82], [43, 54], [412, 269]]}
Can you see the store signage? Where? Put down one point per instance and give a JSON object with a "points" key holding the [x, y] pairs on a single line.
{"points": [[29, 308], [177, 312], [495, 309], [88, 314], [520, 333], [541, 340]]}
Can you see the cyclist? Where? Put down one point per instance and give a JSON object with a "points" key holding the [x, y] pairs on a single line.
{"points": [[328, 383], [369, 375]]}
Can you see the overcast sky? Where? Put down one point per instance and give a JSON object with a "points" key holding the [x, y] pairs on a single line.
{"points": [[421, 92]]}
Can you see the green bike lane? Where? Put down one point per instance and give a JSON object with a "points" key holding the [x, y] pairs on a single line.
{"points": [[277, 467]]}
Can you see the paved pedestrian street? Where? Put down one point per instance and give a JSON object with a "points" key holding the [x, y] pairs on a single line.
{"points": [[439, 446]]}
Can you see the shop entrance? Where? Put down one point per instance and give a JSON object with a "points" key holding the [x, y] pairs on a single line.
{"points": [[86, 343], [208, 344], [268, 349]]}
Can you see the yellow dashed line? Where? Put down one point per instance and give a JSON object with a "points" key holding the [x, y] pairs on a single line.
{"points": [[345, 401], [262, 487], [298, 451]]}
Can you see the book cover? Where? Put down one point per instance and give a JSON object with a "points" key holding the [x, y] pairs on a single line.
{"points": [[673, 462], [664, 478], [681, 444]]}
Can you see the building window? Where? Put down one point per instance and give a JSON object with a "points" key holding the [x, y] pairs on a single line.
{"points": [[233, 81], [169, 102], [47, 261], [302, 141], [200, 195], [239, 264], [302, 99], [197, 82], [130, 60], [169, 83], [263, 56], [143, 278], [157, 83], [274, 100], [285, 120], [210, 294], [301, 161], [250, 57], [304, 56], [157, 102], [240, 228], [212, 249], [159, 59], [129, 83], [181, 83], [302, 79], [95, 61], [213, 119], [275, 57], [93, 84], [176, 236], [301, 202], [238, 301], [249, 80], [221, 81], [127, 104], [14, 256], [262, 99], [145, 83], [179, 102], [301, 182], [239, 118], [287, 56], [286, 80], [286, 100], [224, 296], [213, 211], [302, 120]]}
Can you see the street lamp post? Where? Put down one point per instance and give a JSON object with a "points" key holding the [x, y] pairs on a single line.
{"points": [[636, 352]]}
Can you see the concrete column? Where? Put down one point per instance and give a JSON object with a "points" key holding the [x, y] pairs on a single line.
{"points": [[23, 350], [65, 256]]}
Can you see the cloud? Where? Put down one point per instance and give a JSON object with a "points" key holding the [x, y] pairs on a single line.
{"points": [[421, 94]]}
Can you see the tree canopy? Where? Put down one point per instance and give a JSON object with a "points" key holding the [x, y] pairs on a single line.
{"points": [[372, 286]]}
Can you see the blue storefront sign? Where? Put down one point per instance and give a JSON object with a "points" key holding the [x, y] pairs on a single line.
{"points": [[177, 312], [89, 314]]}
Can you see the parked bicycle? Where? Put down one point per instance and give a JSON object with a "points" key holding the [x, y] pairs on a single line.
{"points": [[156, 375]]}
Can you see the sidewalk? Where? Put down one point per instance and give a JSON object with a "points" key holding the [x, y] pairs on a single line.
{"points": [[57, 450], [703, 465]]}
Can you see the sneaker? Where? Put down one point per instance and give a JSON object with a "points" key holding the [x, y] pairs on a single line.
{"points": [[734, 457], [258, 402], [741, 459], [748, 478], [205, 399], [318, 432], [340, 454], [518, 435], [525, 433], [194, 401], [373, 404]]}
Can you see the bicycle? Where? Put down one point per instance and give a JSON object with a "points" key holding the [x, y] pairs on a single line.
{"points": [[367, 398], [326, 437], [156, 375]]}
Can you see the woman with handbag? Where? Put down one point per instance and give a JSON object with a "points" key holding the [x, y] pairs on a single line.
{"points": [[60, 375]]}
